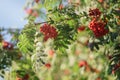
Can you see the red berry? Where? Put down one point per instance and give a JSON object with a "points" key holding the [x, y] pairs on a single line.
{"points": [[82, 63], [48, 65], [100, 1], [17, 78], [37, 1], [51, 53], [98, 78], [81, 28], [35, 14], [29, 11], [61, 6], [26, 77]]}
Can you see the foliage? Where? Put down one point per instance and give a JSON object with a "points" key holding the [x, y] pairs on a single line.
{"points": [[82, 41], [25, 43]]}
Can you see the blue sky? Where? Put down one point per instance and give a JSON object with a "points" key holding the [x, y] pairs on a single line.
{"points": [[12, 13]]}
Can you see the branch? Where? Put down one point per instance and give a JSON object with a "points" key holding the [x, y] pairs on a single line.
{"points": [[50, 21], [42, 22]]}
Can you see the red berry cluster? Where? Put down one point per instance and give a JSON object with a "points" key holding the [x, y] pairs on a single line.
{"points": [[25, 77], [115, 68], [94, 12], [48, 31], [97, 25], [98, 28], [98, 78], [7, 45], [32, 12]]}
